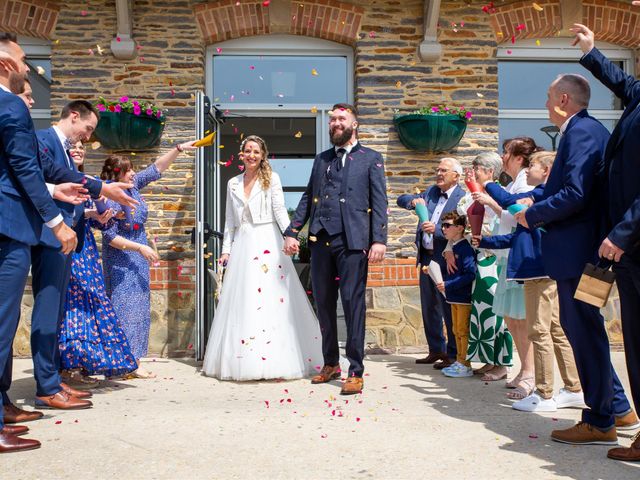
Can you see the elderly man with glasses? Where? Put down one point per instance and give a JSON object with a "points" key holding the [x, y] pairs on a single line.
{"points": [[441, 198]]}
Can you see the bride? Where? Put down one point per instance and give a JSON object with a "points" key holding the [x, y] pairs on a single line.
{"points": [[264, 326]]}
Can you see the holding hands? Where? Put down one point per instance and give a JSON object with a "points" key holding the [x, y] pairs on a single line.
{"points": [[291, 246]]}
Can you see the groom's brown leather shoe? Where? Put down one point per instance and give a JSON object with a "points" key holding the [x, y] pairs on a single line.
{"points": [[327, 374], [631, 454], [352, 385], [11, 443], [13, 414]]}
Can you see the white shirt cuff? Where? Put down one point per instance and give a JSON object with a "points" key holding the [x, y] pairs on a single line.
{"points": [[51, 187], [55, 221]]}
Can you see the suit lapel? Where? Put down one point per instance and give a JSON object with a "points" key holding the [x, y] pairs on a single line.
{"points": [[237, 189]]}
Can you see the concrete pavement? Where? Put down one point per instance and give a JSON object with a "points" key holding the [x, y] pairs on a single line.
{"points": [[410, 422]]}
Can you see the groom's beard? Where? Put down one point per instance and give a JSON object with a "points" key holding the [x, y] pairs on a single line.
{"points": [[340, 137]]}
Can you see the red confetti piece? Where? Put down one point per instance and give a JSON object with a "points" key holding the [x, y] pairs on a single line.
{"points": [[489, 8], [282, 300], [513, 39], [118, 39], [520, 27], [266, 252], [75, 421], [263, 358], [83, 13], [218, 50], [136, 226], [266, 402], [58, 422], [190, 346], [372, 34], [241, 168], [533, 435], [337, 279], [324, 435], [357, 419], [266, 3], [259, 290], [289, 400], [242, 341]]}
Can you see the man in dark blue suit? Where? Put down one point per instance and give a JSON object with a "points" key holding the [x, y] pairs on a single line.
{"points": [[569, 211], [622, 242], [440, 199], [346, 204], [51, 269]]}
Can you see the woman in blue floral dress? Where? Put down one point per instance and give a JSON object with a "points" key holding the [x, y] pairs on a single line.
{"points": [[126, 255], [91, 340]]}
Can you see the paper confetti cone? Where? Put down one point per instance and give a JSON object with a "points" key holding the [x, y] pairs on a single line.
{"points": [[475, 213], [422, 212], [206, 141], [434, 272]]}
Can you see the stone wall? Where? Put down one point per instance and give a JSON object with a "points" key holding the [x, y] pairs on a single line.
{"points": [[171, 37]]}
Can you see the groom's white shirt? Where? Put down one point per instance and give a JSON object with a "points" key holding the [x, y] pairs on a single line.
{"points": [[265, 206]]}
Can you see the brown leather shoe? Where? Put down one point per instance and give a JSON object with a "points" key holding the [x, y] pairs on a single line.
{"points": [[76, 393], [631, 454], [352, 385], [62, 401], [627, 422], [327, 374], [431, 358], [445, 362], [585, 434], [11, 443], [15, 429], [13, 414]]}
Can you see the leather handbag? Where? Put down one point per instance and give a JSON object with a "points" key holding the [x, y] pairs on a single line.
{"points": [[595, 285]]}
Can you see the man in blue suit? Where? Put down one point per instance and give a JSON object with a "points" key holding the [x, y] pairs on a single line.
{"points": [[346, 204], [51, 269], [440, 199], [569, 211], [622, 242]]}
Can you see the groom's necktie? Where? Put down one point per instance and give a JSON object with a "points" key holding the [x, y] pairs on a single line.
{"points": [[338, 160]]}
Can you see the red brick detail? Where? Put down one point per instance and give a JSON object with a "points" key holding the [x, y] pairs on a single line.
{"points": [[33, 18], [327, 19], [224, 20], [336, 21], [393, 272], [537, 24], [613, 22], [173, 275]]}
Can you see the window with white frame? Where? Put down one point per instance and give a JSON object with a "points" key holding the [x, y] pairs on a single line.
{"points": [[525, 71], [38, 54]]}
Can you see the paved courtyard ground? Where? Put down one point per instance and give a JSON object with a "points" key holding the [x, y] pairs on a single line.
{"points": [[410, 422]]}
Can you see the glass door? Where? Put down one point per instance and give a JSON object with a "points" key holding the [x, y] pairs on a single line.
{"points": [[207, 239]]}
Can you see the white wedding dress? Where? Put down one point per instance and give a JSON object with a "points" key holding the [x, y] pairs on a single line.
{"points": [[264, 326]]}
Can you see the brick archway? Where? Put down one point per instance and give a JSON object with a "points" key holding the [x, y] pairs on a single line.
{"points": [[33, 18], [327, 19], [612, 21]]}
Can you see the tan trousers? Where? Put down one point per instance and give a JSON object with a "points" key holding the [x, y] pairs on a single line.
{"points": [[547, 336], [460, 317]]}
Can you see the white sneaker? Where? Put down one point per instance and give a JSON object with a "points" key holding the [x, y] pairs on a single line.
{"points": [[568, 399], [451, 368], [461, 372], [535, 403]]}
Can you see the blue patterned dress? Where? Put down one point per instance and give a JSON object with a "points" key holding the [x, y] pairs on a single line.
{"points": [[90, 336], [126, 271]]}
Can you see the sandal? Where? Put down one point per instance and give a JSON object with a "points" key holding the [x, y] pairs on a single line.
{"points": [[513, 383], [484, 369], [141, 373], [523, 390], [497, 373]]}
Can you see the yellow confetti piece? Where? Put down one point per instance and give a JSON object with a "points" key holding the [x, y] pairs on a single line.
{"points": [[221, 146], [538, 43], [313, 238], [133, 153], [314, 109], [298, 134], [314, 72], [99, 48], [425, 269], [264, 267], [500, 34], [189, 175], [398, 84], [559, 111], [416, 190], [537, 7], [95, 145], [479, 95], [40, 70]]}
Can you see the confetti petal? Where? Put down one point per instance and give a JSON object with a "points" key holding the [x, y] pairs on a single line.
{"points": [[537, 7], [314, 72], [298, 134], [40, 70], [559, 111]]}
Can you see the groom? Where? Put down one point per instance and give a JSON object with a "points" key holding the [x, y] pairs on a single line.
{"points": [[346, 203]]}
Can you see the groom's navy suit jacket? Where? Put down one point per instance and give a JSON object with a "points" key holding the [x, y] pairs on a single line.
{"points": [[364, 209]]}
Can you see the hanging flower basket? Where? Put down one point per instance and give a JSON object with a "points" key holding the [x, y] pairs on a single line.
{"points": [[432, 130], [129, 125]]}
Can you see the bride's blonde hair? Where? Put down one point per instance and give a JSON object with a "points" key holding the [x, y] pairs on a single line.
{"points": [[264, 169]]}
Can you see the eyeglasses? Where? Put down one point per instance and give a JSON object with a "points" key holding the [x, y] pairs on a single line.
{"points": [[446, 225], [442, 170]]}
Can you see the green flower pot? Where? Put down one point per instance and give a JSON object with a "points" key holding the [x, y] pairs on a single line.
{"points": [[126, 131], [429, 133]]}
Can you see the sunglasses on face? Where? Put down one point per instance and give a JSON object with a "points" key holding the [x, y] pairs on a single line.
{"points": [[446, 225]]}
